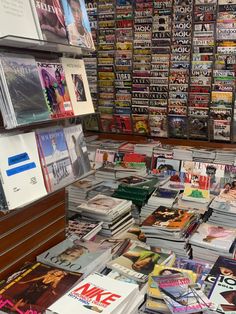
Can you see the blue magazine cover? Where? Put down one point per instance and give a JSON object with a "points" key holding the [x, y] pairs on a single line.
{"points": [[55, 159]]}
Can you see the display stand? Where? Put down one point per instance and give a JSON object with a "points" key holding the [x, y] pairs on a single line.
{"points": [[29, 231]]}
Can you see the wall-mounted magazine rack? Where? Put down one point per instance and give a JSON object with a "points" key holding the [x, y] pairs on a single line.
{"points": [[41, 45]]}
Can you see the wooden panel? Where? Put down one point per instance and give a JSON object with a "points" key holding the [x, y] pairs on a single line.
{"points": [[19, 233], [4, 273], [19, 216], [26, 246], [29, 231]]}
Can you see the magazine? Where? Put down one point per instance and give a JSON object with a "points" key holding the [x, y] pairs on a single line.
{"points": [[55, 159], [78, 86], [51, 20], [223, 294], [137, 263], [162, 270], [75, 255], [181, 297], [110, 297], [223, 266], [55, 89], [77, 150], [21, 174], [77, 23], [25, 99], [214, 237], [36, 288], [167, 219]]}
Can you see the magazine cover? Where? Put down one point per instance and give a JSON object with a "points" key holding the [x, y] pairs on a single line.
{"points": [[221, 130], [83, 229], [36, 288], [132, 180], [166, 218], [21, 174], [55, 159], [77, 150], [180, 297], [198, 128], [164, 164], [102, 204], [51, 20], [77, 23], [75, 255], [107, 122], [55, 89], [223, 266], [162, 270], [196, 194], [140, 123], [110, 297], [158, 125], [90, 122], [214, 237], [177, 126], [25, 92], [18, 22], [137, 263], [123, 123], [226, 200], [223, 294], [78, 86]]}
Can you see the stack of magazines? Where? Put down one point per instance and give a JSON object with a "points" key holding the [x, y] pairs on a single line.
{"points": [[170, 228], [114, 212], [224, 206], [209, 241]]}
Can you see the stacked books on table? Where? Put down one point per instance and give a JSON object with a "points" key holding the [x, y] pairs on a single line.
{"points": [[111, 296], [78, 191], [162, 196], [107, 187], [170, 228], [113, 212], [224, 207], [209, 241], [73, 254], [183, 153]]}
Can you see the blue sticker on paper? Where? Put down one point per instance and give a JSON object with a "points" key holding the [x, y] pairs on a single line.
{"points": [[16, 170], [17, 159]]}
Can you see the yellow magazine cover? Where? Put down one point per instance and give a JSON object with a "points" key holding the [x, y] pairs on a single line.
{"points": [[221, 98], [162, 270]]}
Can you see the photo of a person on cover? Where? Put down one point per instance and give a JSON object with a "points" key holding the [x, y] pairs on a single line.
{"points": [[51, 19], [62, 94], [79, 87], [77, 23], [73, 253], [143, 261], [50, 92], [39, 285]]}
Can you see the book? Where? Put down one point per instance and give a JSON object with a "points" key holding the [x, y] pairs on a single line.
{"points": [[51, 20], [78, 86], [77, 150], [77, 23], [223, 294], [137, 263], [73, 254], [52, 78], [36, 288], [109, 297], [25, 100], [18, 20], [214, 237], [55, 159], [21, 174]]}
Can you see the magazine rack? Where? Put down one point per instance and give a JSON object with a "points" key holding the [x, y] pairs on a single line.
{"points": [[32, 229]]}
